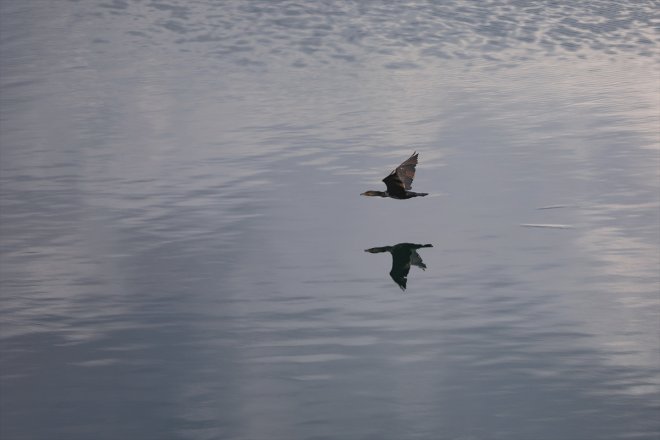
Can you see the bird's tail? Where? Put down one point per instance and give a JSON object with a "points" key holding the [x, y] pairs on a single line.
{"points": [[422, 194]]}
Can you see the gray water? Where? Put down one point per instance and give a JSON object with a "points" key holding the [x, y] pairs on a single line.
{"points": [[183, 236]]}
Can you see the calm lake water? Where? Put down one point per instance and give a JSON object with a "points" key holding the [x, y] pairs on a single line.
{"points": [[183, 236]]}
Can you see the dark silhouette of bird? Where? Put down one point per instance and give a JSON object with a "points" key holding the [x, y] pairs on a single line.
{"points": [[403, 255], [399, 182]]}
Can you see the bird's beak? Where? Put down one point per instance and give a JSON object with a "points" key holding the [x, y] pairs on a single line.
{"points": [[363, 194]]}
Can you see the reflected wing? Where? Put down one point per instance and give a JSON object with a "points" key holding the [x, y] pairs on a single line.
{"points": [[399, 273], [416, 260], [400, 265], [401, 178]]}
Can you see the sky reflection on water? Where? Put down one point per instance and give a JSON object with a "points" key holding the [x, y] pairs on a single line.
{"points": [[183, 236]]}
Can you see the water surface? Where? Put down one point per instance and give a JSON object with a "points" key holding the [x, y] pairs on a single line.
{"points": [[183, 240]]}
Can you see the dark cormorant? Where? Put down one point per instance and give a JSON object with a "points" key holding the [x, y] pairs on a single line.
{"points": [[403, 255], [399, 182]]}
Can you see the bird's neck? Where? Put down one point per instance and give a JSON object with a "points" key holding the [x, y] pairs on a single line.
{"points": [[376, 194]]}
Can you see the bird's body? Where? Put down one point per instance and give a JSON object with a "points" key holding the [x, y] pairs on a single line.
{"points": [[399, 182], [400, 196]]}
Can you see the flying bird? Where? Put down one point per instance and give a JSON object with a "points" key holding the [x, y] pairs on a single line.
{"points": [[403, 256], [399, 182]]}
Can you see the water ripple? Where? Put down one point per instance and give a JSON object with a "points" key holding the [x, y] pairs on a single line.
{"points": [[350, 31]]}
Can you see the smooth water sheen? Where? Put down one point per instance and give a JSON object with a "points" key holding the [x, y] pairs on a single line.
{"points": [[183, 239]]}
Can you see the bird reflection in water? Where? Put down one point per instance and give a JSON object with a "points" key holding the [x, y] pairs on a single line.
{"points": [[403, 255]]}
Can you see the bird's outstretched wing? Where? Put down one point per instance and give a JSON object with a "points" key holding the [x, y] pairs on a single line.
{"points": [[401, 178]]}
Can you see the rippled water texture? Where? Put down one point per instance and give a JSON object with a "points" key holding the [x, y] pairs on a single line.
{"points": [[183, 236]]}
